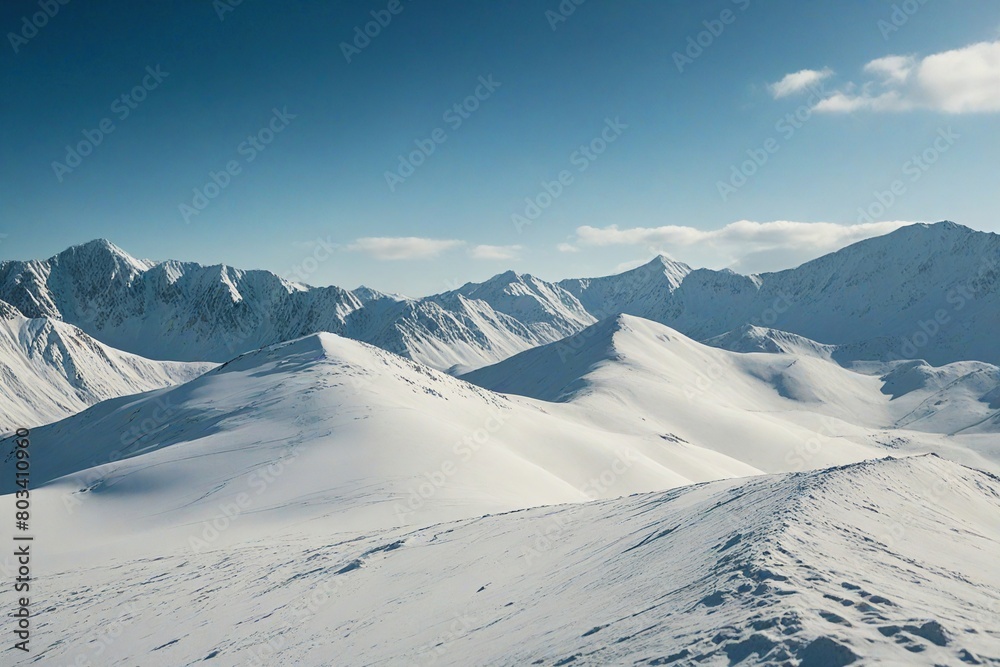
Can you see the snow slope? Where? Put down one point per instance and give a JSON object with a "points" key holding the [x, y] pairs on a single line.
{"points": [[377, 440], [360, 435], [653, 374], [961, 397], [816, 569], [50, 370]]}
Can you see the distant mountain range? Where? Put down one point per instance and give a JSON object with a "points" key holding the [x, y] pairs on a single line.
{"points": [[928, 291], [187, 312]]}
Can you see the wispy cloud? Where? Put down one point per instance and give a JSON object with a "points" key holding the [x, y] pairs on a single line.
{"points": [[494, 252], [797, 82], [403, 247], [964, 80], [776, 233], [892, 69], [746, 245]]}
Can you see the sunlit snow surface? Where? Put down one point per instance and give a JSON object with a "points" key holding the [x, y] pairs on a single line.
{"points": [[892, 560]]}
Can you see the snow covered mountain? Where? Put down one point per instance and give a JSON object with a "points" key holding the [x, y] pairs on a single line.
{"points": [[750, 338], [535, 303], [171, 310], [923, 292], [50, 370], [642, 291], [185, 311], [934, 289], [379, 440], [845, 566], [653, 375]]}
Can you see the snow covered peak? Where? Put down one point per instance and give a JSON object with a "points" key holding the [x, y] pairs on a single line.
{"points": [[507, 277], [367, 294], [100, 244], [506, 283], [529, 300], [300, 353], [96, 245], [560, 370], [910, 245], [671, 268], [751, 338], [941, 227], [100, 254], [52, 369], [642, 291]]}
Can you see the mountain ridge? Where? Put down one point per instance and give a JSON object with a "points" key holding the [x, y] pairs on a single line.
{"points": [[50, 370], [923, 291]]}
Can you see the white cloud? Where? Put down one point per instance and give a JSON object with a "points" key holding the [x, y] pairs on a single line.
{"points": [[567, 247], [747, 245], [893, 69], [965, 80], [843, 102], [776, 233], [495, 252], [402, 247], [796, 82]]}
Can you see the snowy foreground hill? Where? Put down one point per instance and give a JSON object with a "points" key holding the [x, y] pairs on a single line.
{"points": [[882, 562]]}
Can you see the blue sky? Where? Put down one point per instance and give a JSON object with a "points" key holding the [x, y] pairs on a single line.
{"points": [[304, 134]]}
